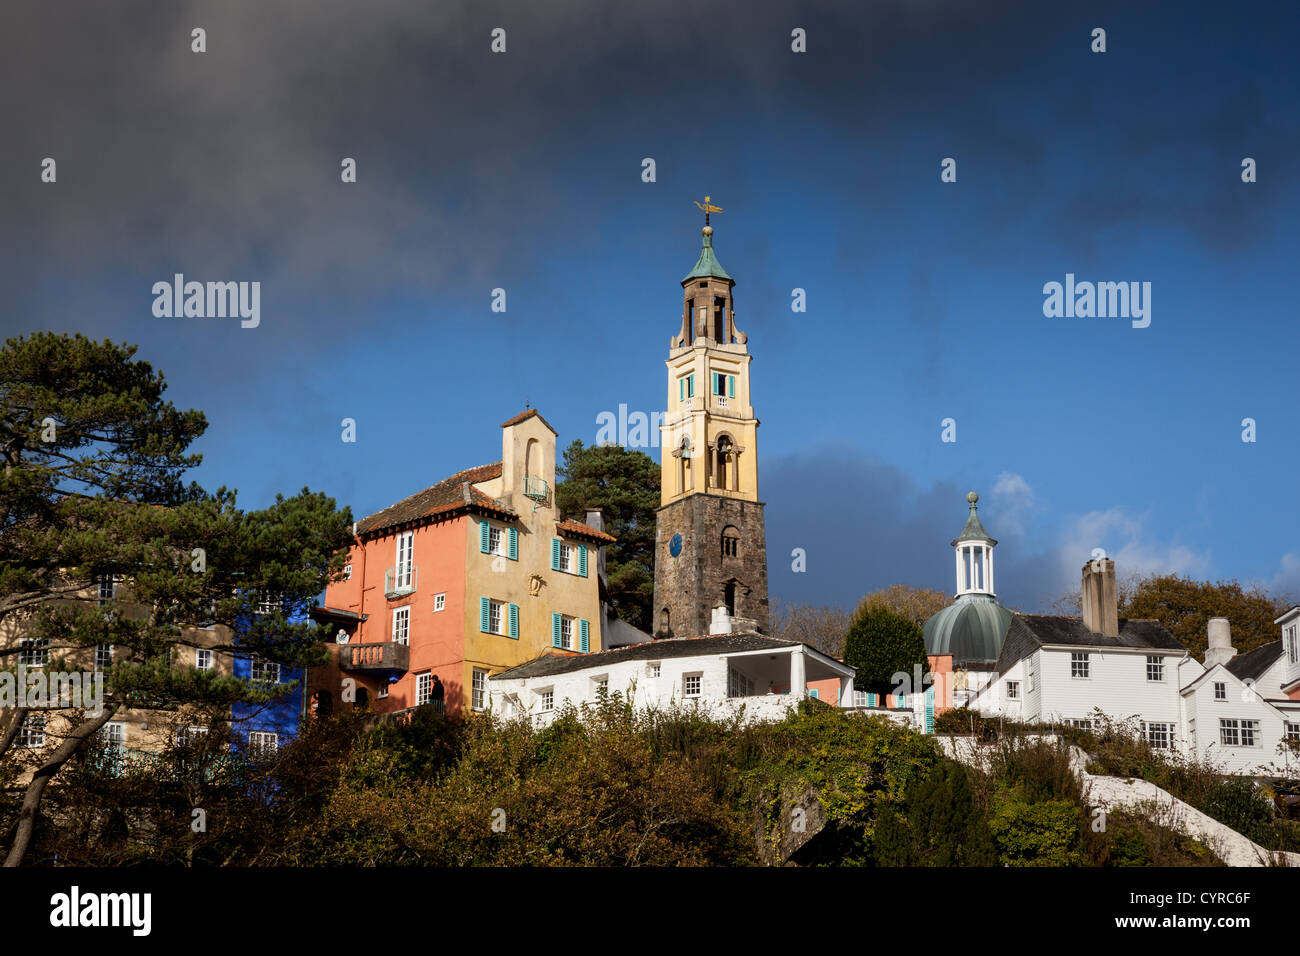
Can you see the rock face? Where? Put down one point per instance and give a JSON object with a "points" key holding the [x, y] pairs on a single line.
{"points": [[707, 572], [802, 818]]}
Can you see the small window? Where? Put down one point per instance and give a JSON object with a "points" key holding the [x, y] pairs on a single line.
{"points": [[382, 692], [1238, 733], [203, 659], [1220, 690], [1291, 730], [1158, 735], [730, 543], [479, 689], [691, 684], [566, 633], [652, 669], [566, 557], [1013, 690], [103, 657], [347, 572], [546, 699], [263, 744], [1079, 664], [1155, 667], [1082, 723], [265, 672], [495, 617], [402, 625], [34, 651], [32, 733], [440, 601], [106, 588], [600, 685], [423, 688], [494, 540]]}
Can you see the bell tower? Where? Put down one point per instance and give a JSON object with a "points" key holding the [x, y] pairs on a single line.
{"points": [[711, 548]]}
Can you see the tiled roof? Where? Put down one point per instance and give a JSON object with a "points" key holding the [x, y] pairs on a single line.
{"points": [[1252, 664], [584, 530], [524, 416], [549, 664], [450, 494], [1030, 631]]}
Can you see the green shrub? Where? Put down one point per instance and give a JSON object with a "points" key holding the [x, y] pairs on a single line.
{"points": [[1037, 834]]}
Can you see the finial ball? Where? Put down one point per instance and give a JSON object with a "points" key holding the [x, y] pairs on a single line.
{"points": [[972, 497], [707, 230]]}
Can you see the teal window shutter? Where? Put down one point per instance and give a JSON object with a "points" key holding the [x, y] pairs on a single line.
{"points": [[584, 635], [483, 529], [582, 560], [513, 543], [514, 621], [681, 390], [690, 385], [555, 554], [731, 386], [555, 629], [484, 614], [871, 700], [814, 692]]}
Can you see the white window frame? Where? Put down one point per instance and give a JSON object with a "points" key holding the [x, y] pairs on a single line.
{"points": [[568, 555], [1292, 644], [739, 684], [202, 654], [263, 665], [1156, 665], [1080, 665], [347, 572], [1159, 734], [185, 735], [1220, 690], [1081, 723], [439, 602], [404, 563], [423, 687], [478, 689], [1013, 690], [401, 633], [101, 666], [546, 699], [496, 540], [653, 668], [263, 743], [106, 588], [566, 632], [34, 651], [693, 684], [1291, 729], [32, 733], [497, 622], [1244, 732]]}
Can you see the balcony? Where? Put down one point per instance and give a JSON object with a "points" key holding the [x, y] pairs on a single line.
{"points": [[536, 488], [381, 657], [399, 581]]}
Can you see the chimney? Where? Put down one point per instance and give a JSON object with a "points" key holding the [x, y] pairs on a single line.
{"points": [[596, 519], [1100, 613], [1220, 649]]}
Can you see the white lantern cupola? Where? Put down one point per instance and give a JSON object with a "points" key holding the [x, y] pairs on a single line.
{"points": [[974, 551]]}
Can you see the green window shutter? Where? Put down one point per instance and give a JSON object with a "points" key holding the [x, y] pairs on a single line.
{"points": [[513, 543], [871, 700], [582, 560], [484, 614], [681, 390], [814, 692], [690, 385], [584, 635], [555, 629], [514, 621], [731, 386], [483, 529], [713, 382], [555, 554]]}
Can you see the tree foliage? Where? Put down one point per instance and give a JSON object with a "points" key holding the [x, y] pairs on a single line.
{"points": [[915, 604], [625, 486], [1185, 607], [819, 626], [881, 642], [93, 462]]}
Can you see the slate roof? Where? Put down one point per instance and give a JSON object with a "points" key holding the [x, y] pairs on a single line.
{"points": [[550, 664], [582, 530], [1252, 664], [449, 495], [1028, 632]]}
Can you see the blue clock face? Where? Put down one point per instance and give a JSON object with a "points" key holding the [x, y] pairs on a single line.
{"points": [[675, 545]]}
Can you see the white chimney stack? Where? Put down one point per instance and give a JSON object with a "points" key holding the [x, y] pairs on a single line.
{"points": [[1220, 649]]}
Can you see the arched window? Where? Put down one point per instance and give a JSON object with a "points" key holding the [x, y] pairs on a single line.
{"points": [[664, 621], [724, 455], [729, 597], [532, 459], [363, 699], [322, 703], [730, 542]]}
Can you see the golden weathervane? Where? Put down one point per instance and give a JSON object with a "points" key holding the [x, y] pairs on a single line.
{"points": [[708, 207]]}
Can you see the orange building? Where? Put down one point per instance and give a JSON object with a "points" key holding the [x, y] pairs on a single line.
{"points": [[466, 578]]}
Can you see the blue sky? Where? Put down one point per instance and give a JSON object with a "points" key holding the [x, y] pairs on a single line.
{"points": [[523, 171]]}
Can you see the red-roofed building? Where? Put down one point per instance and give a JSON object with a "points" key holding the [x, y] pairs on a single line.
{"points": [[464, 579]]}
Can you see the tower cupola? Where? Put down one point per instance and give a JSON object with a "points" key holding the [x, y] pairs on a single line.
{"points": [[974, 553]]}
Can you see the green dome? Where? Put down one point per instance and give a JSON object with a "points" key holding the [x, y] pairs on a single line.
{"points": [[707, 266], [971, 630]]}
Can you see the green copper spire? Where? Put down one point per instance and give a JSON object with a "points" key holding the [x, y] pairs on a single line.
{"points": [[974, 531], [707, 265]]}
